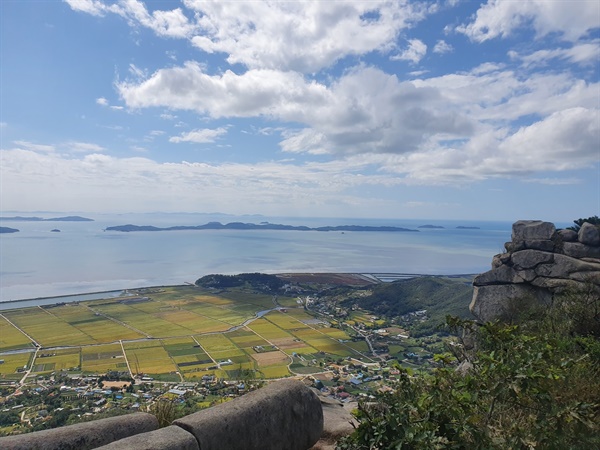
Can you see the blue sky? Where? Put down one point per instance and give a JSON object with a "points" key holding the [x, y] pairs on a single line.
{"points": [[437, 109]]}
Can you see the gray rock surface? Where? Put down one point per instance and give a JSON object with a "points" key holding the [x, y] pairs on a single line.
{"points": [[589, 235], [530, 230], [285, 415], [540, 263], [337, 422], [82, 436], [567, 235], [171, 437]]}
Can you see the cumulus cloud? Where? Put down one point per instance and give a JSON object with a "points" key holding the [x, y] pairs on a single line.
{"points": [[171, 23], [365, 110], [500, 18], [414, 53], [299, 36], [201, 136]]}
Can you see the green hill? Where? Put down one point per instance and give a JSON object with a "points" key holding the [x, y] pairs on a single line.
{"points": [[438, 295]]}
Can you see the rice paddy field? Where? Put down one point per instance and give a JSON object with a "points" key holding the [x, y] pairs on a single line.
{"points": [[171, 334]]}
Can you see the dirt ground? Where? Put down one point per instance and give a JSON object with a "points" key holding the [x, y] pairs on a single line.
{"points": [[270, 358], [117, 384]]}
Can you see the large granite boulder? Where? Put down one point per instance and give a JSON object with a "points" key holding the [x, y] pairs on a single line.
{"points": [[540, 263]]}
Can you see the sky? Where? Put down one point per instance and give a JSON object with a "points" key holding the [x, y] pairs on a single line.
{"points": [[443, 109]]}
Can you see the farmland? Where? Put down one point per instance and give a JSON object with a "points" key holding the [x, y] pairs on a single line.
{"points": [[179, 333]]}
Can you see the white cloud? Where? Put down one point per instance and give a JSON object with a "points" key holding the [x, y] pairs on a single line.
{"points": [[565, 140], [500, 18], [442, 47], [166, 116], [83, 147], [366, 110], [102, 179], [26, 145], [173, 23], [414, 53], [201, 136], [584, 54], [554, 181], [3, 124], [93, 7], [104, 102], [299, 36]]}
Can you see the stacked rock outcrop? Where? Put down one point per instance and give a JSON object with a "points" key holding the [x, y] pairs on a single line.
{"points": [[540, 263]]}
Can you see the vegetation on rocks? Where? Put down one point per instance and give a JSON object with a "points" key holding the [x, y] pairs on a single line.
{"points": [[594, 220]]}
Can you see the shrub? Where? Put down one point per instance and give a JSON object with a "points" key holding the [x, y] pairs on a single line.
{"points": [[535, 384]]}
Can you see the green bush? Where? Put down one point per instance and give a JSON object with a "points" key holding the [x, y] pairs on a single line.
{"points": [[532, 385]]}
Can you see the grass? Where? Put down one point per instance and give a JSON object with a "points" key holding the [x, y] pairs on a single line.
{"points": [[8, 369], [46, 328], [11, 338], [54, 360], [100, 359]]}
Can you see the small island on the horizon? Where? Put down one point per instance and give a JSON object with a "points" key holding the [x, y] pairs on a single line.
{"points": [[432, 227], [52, 219], [253, 226], [461, 227], [8, 230]]}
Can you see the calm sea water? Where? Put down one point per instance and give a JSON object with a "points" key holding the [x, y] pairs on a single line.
{"points": [[84, 258]]}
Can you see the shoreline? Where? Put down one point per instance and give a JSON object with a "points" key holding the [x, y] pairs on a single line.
{"points": [[373, 277]]}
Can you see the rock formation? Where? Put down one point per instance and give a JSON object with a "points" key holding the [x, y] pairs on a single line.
{"points": [[540, 263]]}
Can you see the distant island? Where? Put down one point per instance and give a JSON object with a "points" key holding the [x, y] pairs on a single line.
{"points": [[253, 226], [460, 227], [435, 227], [8, 230], [53, 219]]}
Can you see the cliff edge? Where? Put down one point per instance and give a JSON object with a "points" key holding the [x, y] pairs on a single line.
{"points": [[539, 263]]}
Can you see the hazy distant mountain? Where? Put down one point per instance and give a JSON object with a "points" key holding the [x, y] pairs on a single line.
{"points": [[253, 226], [53, 219]]}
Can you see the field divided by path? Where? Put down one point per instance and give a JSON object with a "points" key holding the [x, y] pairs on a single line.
{"points": [[171, 334]]}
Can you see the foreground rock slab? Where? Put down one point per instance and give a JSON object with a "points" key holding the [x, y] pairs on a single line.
{"points": [[83, 436], [286, 415]]}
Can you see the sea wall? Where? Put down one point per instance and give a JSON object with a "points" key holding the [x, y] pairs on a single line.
{"points": [[284, 415], [540, 263]]}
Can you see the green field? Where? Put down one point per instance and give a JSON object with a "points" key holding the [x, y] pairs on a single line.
{"points": [[11, 338], [12, 362], [172, 333]]}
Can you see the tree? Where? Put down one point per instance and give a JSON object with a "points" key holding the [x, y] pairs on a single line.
{"points": [[594, 220]]}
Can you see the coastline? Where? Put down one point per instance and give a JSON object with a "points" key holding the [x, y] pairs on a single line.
{"points": [[374, 277]]}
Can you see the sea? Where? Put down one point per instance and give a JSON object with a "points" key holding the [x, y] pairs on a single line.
{"points": [[85, 258]]}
